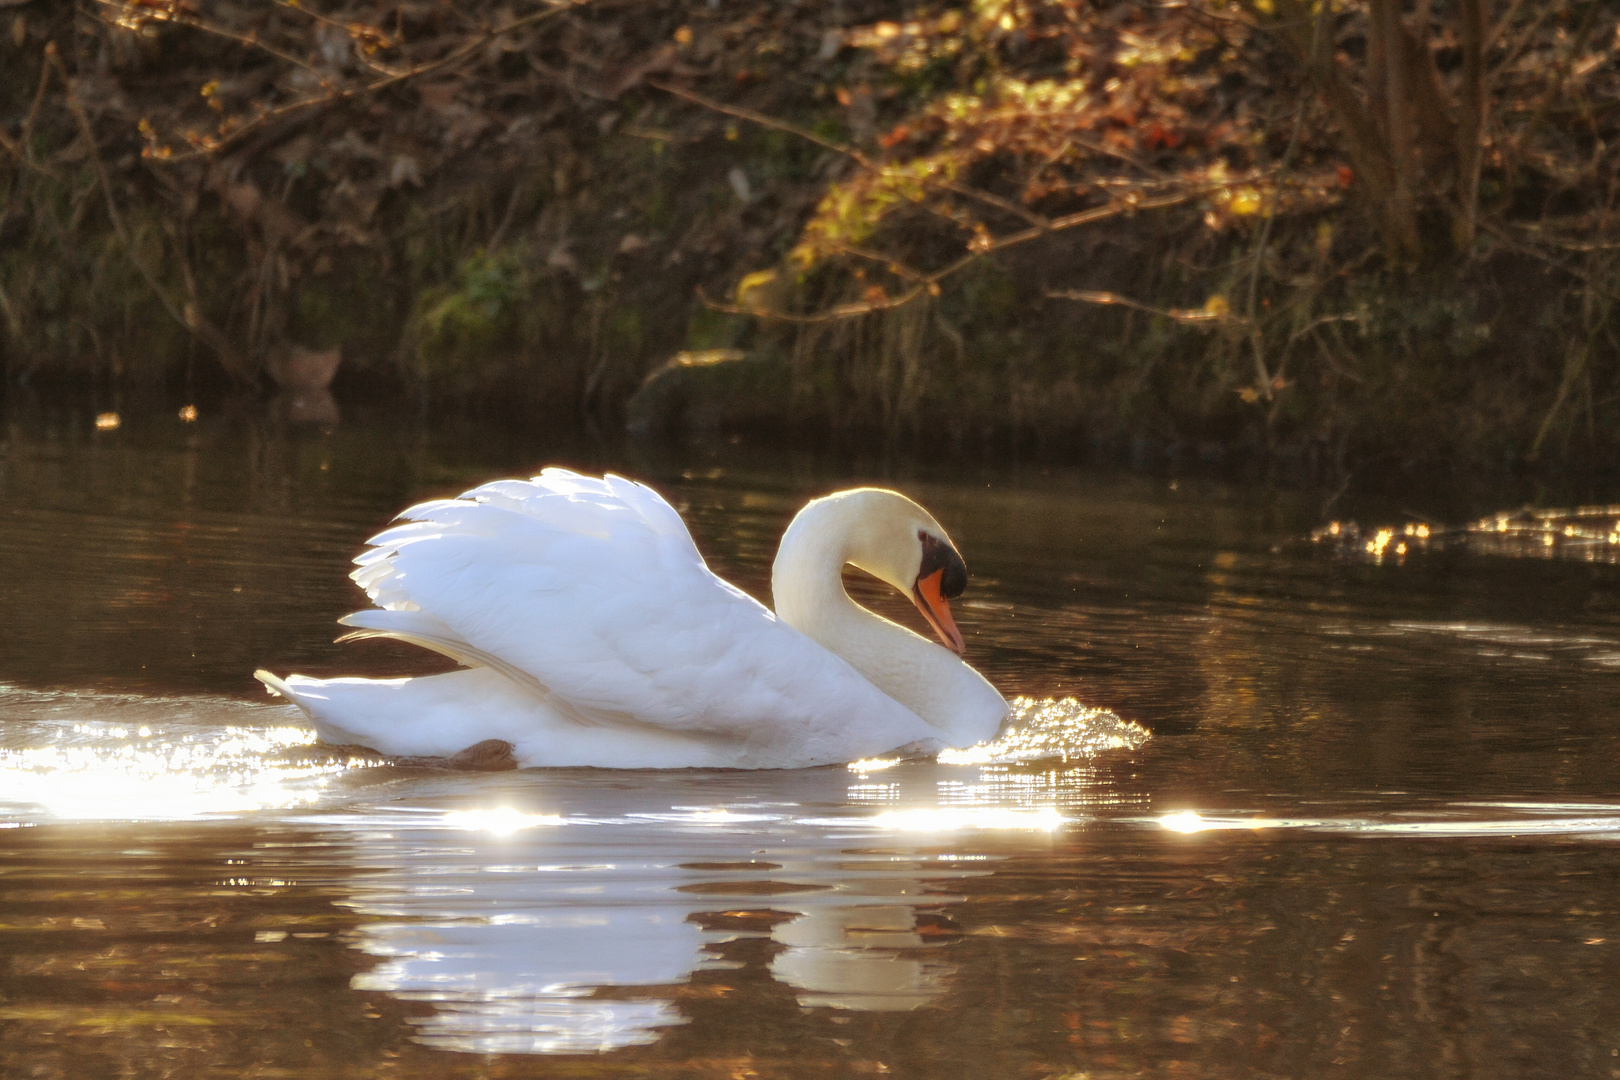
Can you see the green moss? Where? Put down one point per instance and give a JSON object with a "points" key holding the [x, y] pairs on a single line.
{"points": [[710, 329], [474, 316], [988, 291], [349, 306], [658, 210]]}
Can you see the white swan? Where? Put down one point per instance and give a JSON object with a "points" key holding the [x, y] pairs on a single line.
{"points": [[594, 635]]}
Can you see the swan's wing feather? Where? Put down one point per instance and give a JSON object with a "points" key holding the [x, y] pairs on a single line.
{"points": [[594, 589], [425, 631]]}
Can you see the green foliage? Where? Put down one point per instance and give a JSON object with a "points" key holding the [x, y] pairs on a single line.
{"points": [[346, 307], [475, 315], [624, 332], [851, 213], [711, 329]]}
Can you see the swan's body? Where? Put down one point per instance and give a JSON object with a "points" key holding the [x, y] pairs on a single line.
{"points": [[595, 635]]}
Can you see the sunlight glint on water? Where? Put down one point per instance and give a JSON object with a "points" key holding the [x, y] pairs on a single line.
{"points": [[501, 820], [951, 819], [1062, 729], [1458, 820], [151, 760]]}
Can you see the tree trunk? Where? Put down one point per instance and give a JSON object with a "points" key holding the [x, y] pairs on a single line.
{"points": [[1401, 210], [1471, 132]]}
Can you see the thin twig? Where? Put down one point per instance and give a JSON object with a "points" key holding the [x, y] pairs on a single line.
{"points": [[455, 56], [382, 39], [134, 15], [1108, 151], [14, 147], [1502, 24], [506, 218], [765, 121], [1593, 283], [1108, 299], [1327, 355], [22, 148], [1516, 49], [1577, 42], [853, 153], [890, 263], [1312, 326]]}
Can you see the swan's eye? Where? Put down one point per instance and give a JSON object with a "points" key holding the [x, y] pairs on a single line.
{"points": [[940, 556]]}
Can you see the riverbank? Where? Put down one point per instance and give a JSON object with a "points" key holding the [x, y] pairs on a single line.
{"points": [[1112, 231]]}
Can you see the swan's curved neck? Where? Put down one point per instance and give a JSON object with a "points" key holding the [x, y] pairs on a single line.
{"points": [[807, 577], [808, 588]]}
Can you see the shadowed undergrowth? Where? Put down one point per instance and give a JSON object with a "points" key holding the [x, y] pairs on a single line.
{"points": [[1355, 232]]}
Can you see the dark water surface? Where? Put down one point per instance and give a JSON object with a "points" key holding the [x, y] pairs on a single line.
{"points": [[1349, 820]]}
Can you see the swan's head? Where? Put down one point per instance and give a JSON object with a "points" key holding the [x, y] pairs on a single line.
{"points": [[897, 541], [941, 577]]}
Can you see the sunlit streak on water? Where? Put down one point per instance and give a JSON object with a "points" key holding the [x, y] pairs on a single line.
{"points": [[705, 816], [502, 821], [1189, 821], [1508, 820], [953, 819]]}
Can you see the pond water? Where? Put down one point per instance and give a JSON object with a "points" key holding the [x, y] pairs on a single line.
{"points": [[1303, 815]]}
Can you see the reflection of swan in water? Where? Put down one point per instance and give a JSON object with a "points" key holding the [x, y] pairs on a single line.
{"points": [[568, 929], [540, 934], [594, 634], [515, 972], [510, 966], [860, 956]]}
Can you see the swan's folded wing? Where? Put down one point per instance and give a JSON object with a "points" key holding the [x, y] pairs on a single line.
{"points": [[595, 589]]}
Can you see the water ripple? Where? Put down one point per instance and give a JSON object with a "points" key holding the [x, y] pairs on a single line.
{"points": [[1454, 820]]}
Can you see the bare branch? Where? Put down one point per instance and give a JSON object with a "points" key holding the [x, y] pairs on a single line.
{"points": [[455, 56], [133, 16], [854, 154], [929, 283], [1108, 299], [765, 121]]}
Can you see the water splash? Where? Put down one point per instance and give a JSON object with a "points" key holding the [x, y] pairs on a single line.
{"points": [[1044, 729]]}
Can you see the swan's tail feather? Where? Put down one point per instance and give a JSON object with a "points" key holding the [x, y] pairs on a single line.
{"points": [[314, 698], [463, 716], [277, 686]]}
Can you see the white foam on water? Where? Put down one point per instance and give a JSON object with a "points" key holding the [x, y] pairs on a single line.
{"points": [[1047, 729]]}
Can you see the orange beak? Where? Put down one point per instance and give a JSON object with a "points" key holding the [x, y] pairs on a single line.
{"points": [[937, 611]]}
